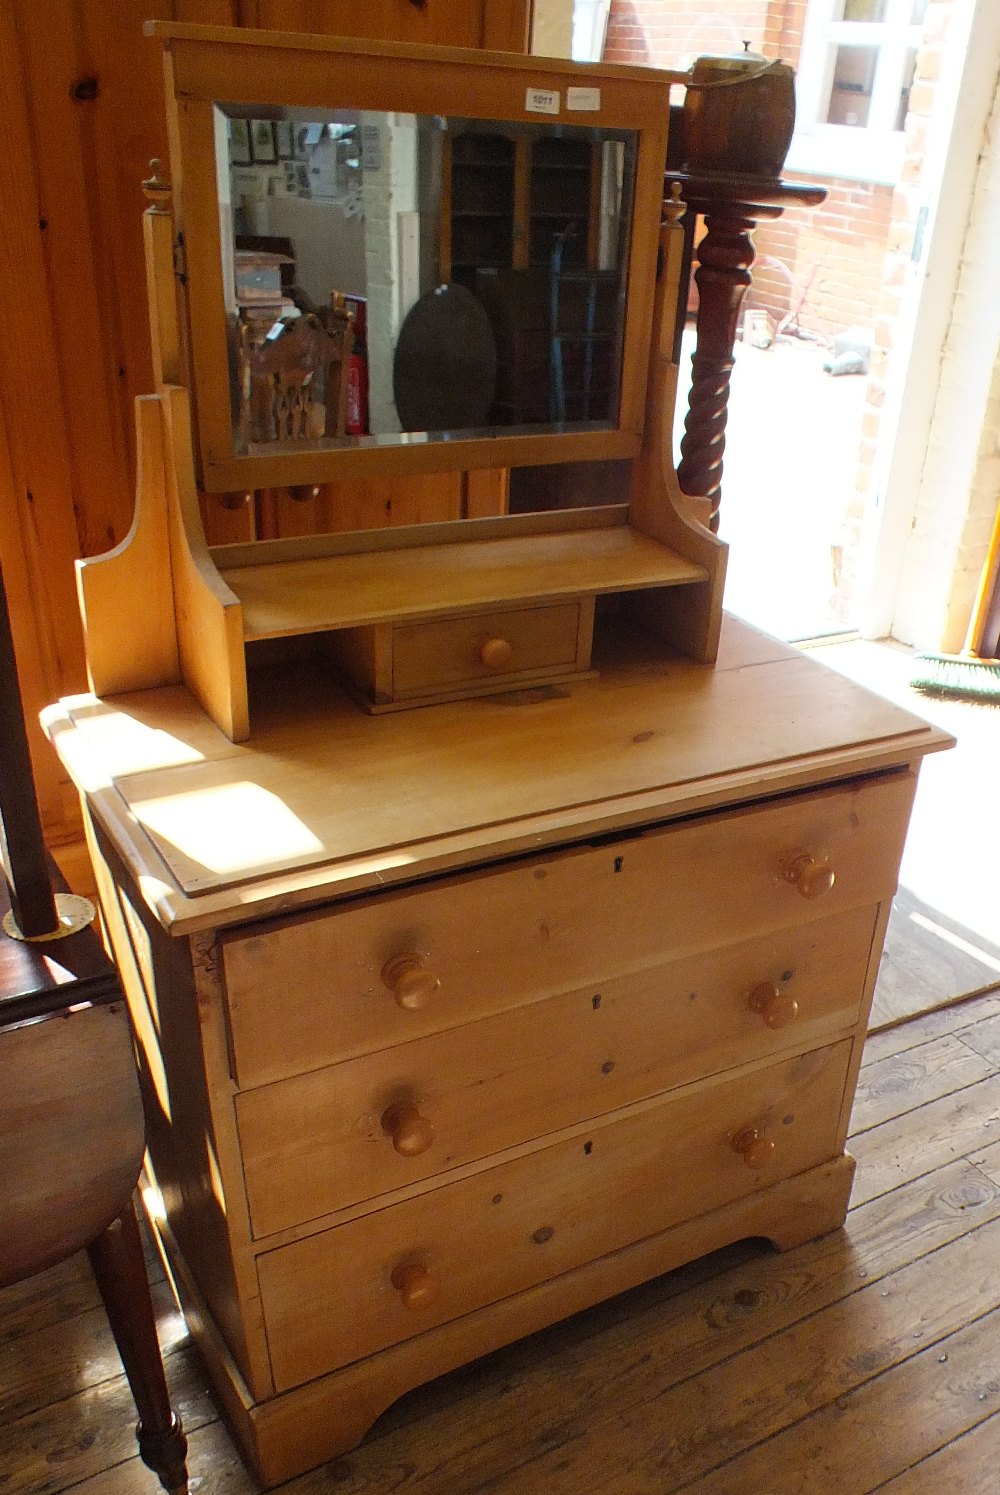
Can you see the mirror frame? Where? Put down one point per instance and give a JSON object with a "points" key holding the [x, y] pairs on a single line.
{"points": [[208, 65]]}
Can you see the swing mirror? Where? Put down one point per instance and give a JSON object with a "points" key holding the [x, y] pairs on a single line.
{"points": [[405, 260]]}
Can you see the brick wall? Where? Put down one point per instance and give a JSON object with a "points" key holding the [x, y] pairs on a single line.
{"points": [[847, 263], [664, 33], [833, 255], [824, 266]]}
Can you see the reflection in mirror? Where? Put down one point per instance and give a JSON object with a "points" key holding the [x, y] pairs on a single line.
{"points": [[398, 278]]}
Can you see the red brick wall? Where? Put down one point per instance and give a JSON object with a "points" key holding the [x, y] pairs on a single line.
{"points": [[831, 258], [846, 261], [833, 254], [672, 33]]}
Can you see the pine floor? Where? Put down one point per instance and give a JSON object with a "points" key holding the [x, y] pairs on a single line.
{"points": [[869, 1360]]}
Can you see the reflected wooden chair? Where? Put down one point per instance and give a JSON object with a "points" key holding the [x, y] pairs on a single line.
{"points": [[295, 383], [71, 1124]]}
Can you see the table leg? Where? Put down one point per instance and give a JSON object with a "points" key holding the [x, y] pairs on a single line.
{"points": [[120, 1269]]}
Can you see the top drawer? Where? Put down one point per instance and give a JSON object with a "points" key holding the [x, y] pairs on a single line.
{"points": [[364, 976]]}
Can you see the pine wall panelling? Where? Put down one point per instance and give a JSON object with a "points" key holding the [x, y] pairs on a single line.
{"points": [[81, 96]]}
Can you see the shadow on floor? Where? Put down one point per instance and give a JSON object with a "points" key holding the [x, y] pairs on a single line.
{"points": [[929, 959]]}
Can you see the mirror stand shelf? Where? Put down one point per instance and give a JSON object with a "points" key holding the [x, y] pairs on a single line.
{"points": [[404, 616]]}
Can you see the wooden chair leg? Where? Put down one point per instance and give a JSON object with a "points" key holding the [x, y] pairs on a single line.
{"points": [[117, 1261]]}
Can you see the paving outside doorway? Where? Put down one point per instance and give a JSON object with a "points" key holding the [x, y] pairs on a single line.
{"points": [[790, 465], [791, 459], [944, 934]]}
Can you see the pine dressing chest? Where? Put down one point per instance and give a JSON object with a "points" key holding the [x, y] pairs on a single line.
{"points": [[453, 1020]]}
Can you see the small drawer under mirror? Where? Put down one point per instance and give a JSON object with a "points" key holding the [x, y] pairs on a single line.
{"points": [[405, 664]]}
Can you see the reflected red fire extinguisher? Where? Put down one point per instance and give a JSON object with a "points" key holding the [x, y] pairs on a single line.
{"points": [[357, 370]]}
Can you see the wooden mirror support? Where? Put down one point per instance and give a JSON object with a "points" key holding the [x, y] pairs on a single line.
{"points": [[417, 614]]}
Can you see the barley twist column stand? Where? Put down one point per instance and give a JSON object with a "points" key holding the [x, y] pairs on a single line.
{"points": [[732, 206]]}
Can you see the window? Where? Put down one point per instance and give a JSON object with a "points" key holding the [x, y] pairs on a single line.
{"points": [[857, 68]]}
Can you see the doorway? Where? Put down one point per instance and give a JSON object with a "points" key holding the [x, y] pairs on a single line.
{"points": [[823, 465]]}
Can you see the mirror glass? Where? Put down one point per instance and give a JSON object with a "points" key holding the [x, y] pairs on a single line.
{"points": [[397, 278]]}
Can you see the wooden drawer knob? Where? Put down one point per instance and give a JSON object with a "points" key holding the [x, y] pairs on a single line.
{"points": [[496, 653], [754, 1148], [410, 981], [414, 1284], [411, 1133], [812, 878], [778, 1008]]}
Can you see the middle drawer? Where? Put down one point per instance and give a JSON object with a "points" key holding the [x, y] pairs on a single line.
{"points": [[344, 1293], [347, 1133]]}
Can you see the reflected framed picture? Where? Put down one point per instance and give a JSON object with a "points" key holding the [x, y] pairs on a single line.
{"points": [[262, 141], [239, 143], [284, 142]]}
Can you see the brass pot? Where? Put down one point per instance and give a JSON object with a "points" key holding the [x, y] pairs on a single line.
{"points": [[739, 114]]}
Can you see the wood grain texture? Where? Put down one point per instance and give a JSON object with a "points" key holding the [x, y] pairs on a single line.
{"points": [[921, 1409], [307, 991], [315, 1142], [308, 596], [73, 248], [126, 597], [454, 651], [955, 1017], [930, 959], [209, 618], [328, 1299], [656, 505], [189, 1122], [359, 504], [71, 1134], [38, 668], [905, 1082], [648, 738], [38, 526]]}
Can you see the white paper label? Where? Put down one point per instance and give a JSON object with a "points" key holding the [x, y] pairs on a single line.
{"points": [[583, 98], [541, 101]]}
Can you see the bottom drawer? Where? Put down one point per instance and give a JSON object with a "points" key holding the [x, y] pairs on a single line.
{"points": [[335, 1297]]}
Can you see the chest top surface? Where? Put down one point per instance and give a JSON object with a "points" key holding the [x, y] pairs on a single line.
{"points": [[326, 800]]}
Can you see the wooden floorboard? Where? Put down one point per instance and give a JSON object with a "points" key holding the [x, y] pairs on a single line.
{"points": [[868, 1360], [929, 959]]}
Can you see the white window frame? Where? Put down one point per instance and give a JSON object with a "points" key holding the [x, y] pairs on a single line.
{"points": [[871, 152]]}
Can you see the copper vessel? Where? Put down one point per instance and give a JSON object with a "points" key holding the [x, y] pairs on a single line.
{"points": [[739, 114]]}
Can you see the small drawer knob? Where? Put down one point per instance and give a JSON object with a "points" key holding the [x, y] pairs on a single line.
{"points": [[411, 982], [778, 1008], [414, 1284], [812, 877], [496, 653], [411, 1133], [754, 1148]]}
